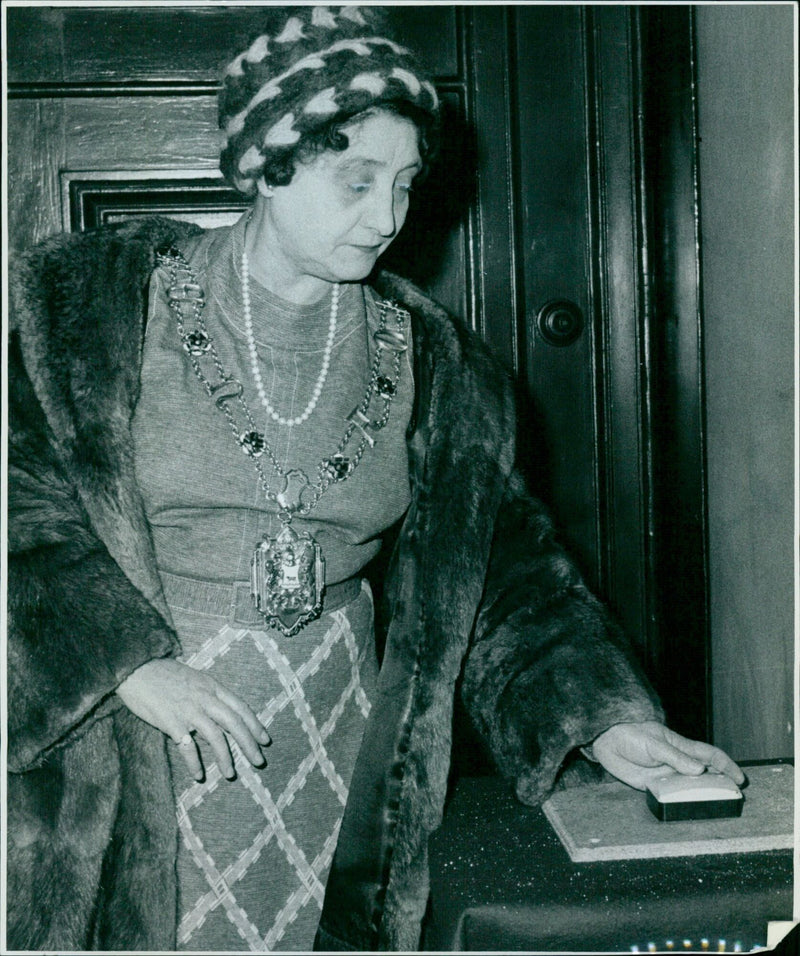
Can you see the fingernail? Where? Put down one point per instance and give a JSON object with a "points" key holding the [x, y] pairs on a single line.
{"points": [[265, 739]]}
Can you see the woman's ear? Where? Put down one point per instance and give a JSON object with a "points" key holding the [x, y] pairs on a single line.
{"points": [[264, 187]]}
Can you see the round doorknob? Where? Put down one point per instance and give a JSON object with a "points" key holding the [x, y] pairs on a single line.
{"points": [[560, 322]]}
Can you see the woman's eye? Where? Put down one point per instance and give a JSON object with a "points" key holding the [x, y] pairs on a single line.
{"points": [[404, 187], [359, 187]]}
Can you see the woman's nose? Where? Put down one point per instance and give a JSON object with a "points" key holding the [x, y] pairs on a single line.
{"points": [[381, 215]]}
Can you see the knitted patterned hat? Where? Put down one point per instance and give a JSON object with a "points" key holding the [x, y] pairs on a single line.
{"points": [[319, 65]]}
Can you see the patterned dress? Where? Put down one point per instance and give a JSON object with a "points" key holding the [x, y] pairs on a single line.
{"points": [[255, 852]]}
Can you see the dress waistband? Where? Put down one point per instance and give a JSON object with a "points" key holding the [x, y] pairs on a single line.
{"points": [[234, 601]]}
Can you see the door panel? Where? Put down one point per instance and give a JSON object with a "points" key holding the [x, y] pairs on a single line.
{"points": [[52, 48], [553, 225]]}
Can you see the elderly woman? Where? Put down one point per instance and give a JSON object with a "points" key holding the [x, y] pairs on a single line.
{"points": [[211, 742]]}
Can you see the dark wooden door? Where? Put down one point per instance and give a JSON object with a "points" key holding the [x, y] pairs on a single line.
{"points": [[539, 227]]}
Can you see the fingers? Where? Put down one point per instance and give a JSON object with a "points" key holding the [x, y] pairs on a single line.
{"points": [[722, 762], [241, 731], [191, 755], [677, 759], [646, 775], [213, 734], [245, 714], [711, 756], [718, 760], [694, 756], [215, 722]]}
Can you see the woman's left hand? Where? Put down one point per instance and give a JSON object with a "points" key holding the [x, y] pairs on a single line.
{"points": [[638, 753]]}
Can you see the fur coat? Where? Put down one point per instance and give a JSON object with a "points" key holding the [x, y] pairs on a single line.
{"points": [[480, 601]]}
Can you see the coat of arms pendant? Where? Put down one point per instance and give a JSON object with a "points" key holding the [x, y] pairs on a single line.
{"points": [[287, 580]]}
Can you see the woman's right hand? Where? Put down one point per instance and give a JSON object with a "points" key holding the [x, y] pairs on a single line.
{"points": [[181, 701]]}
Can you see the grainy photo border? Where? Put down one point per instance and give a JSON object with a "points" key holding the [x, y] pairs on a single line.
{"points": [[90, 198]]}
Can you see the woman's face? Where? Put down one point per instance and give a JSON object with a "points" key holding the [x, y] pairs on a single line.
{"points": [[342, 209]]}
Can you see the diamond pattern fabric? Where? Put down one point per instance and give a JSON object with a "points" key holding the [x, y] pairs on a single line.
{"points": [[255, 852]]}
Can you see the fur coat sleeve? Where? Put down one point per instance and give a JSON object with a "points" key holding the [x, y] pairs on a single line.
{"points": [[548, 670], [72, 646]]}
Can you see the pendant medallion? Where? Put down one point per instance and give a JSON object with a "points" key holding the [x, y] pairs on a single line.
{"points": [[287, 579]]}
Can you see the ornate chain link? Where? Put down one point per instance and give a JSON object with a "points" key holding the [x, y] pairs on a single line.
{"points": [[186, 301]]}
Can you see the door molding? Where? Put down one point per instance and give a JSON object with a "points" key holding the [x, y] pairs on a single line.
{"points": [[642, 122], [91, 198]]}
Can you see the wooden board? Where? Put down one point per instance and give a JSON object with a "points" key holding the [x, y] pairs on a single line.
{"points": [[611, 821]]}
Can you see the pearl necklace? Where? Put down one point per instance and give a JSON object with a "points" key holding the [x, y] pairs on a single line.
{"points": [[251, 344]]}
